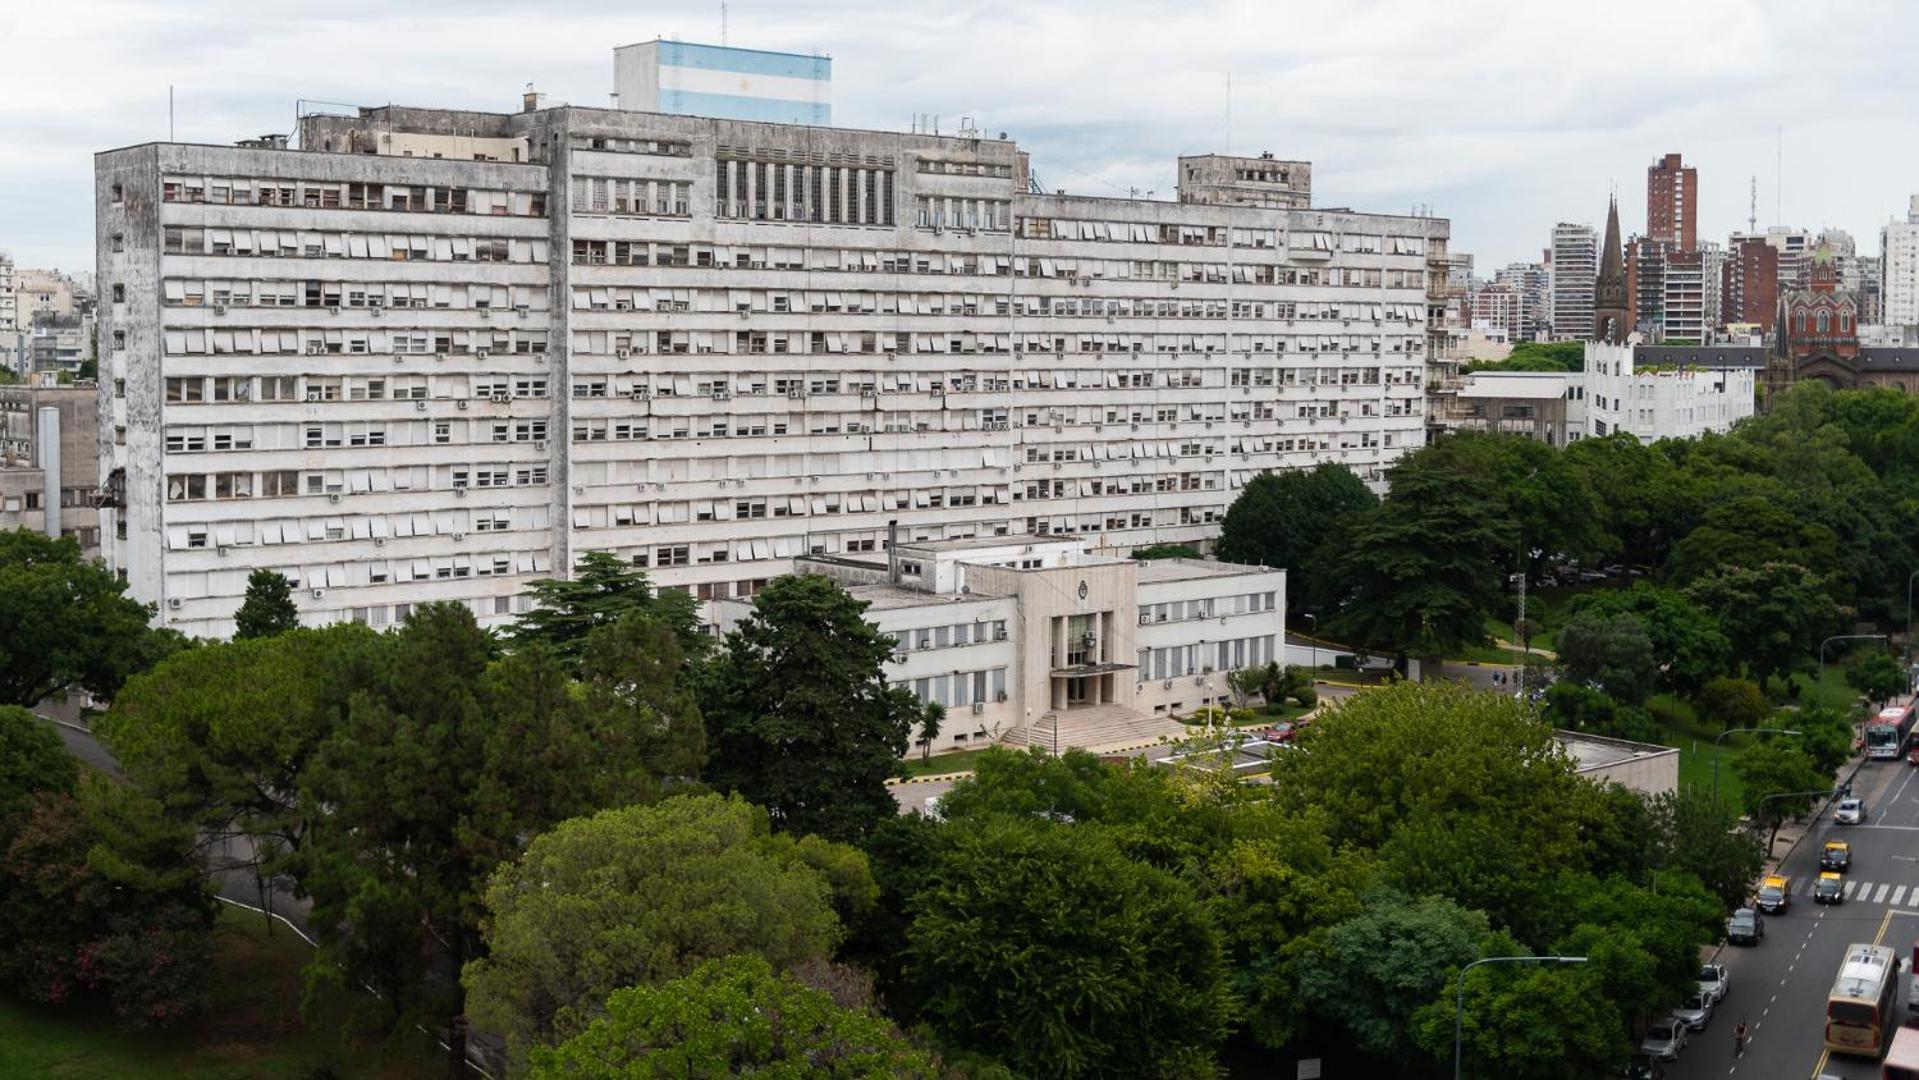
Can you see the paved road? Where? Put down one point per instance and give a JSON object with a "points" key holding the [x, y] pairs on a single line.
{"points": [[1780, 987]]}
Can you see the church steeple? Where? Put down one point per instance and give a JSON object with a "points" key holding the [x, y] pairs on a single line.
{"points": [[1610, 309]]}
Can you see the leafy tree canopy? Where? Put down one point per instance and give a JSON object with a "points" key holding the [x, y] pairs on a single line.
{"points": [[1687, 644], [601, 590], [65, 620], [1610, 652], [1280, 519], [268, 608]]}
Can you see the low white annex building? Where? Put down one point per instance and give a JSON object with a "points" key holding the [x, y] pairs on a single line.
{"points": [[1040, 640], [1680, 401]]}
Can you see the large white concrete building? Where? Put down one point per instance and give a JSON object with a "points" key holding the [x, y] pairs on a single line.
{"points": [[709, 346], [1664, 400], [1044, 640], [689, 79]]}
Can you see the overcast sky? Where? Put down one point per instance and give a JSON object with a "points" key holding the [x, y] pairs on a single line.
{"points": [[1504, 117]]}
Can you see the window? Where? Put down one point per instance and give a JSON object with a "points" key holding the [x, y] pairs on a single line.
{"points": [[119, 293]]}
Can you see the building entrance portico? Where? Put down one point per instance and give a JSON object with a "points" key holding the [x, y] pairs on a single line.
{"points": [[1083, 671]]}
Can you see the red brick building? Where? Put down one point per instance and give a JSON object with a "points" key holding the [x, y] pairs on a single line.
{"points": [[1822, 322], [1672, 203], [1749, 287]]}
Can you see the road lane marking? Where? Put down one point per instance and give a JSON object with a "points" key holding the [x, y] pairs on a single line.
{"points": [[1847, 891], [1894, 828], [1880, 896], [1898, 896]]}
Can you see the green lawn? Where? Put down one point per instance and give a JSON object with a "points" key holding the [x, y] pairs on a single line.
{"points": [[252, 1030], [1546, 607], [1264, 716], [1679, 726], [1831, 690], [956, 761]]}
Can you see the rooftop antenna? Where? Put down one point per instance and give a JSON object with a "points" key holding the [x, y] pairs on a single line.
{"points": [[169, 112], [1778, 175], [1752, 211], [1229, 114], [723, 41]]}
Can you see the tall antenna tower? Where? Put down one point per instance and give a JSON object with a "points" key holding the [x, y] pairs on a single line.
{"points": [[723, 40], [1752, 211], [1778, 176]]}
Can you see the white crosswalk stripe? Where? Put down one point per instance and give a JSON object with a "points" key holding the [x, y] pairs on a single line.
{"points": [[1847, 893], [1898, 896], [1880, 896]]}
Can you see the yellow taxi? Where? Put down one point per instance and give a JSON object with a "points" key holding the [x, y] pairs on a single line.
{"points": [[1836, 856], [1775, 894], [1829, 889]]}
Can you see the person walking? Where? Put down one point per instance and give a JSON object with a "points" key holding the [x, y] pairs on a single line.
{"points": [[1739, 1040]]}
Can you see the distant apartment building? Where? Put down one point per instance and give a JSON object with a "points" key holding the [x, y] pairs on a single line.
{"points": [[711, 347], [40, 291], [1575, 255], [1646, 285], [1750, 284], [1533, 284], [49, 459], [687, 79], [1899, 269], [1542, 405], [9, 296], [59, 343], [1652, 398], [1692, 303], [1672, 203], [1224, 180], [1795, 247], [1498, 307]]}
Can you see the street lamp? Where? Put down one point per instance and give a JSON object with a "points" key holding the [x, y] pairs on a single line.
{"points": [[1314, 640], [1761, 805], [1459, 1012], [1735, 731], [1842, 637], [1909, 577]]}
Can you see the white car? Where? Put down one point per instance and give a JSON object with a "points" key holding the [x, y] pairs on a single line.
{"points": [[1850, 811], [1664, 1040], [1714, 981]]}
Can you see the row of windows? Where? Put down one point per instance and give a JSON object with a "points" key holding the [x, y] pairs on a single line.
{"points": [[238, 389], [959, 689], [274, 531], [1133, 232], [291, 483], [875, 302], [336, 195], [398, 295], [966, 342], [1213, 607], [949, 635], [632, 198], [820, 194], [1206, 658], [311, 244], [253, 341]]}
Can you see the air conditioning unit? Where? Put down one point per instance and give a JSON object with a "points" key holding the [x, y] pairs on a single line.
{"points": [[219, 309], [869, 393], [174, 602], [796, 393], [1000, 635], [419, 406], [926, 643], [499, 399], [316, 350], [221, 550], [379, 541], [1167, 685], [979, 707], [333, 309], [461, 404], [539, 444], [318, 593], [899, 658], [482, 354], [333, 497], [521, 310], [1145, 617], [938, 391], [459, 493], [623, 353], [641, 391], [458, 536], [722, 395]]}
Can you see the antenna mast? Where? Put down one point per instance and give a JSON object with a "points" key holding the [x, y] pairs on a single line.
{"points": [[723, 40], [1778, 176], [1752, 210]]}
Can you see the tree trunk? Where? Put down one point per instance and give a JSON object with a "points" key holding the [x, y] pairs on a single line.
{"points": [[456, 1027]]}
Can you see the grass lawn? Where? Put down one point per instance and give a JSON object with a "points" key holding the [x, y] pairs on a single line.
{"points": [[1546, 607], [1831, 690], [1264, 716], [252, 1030], [957, 761]]}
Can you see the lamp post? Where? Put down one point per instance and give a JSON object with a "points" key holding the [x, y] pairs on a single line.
{"points": [[1843, 637], [1459, 1011], [1735, 731], [1313, 641], [1761, 805], [1909, 577]]}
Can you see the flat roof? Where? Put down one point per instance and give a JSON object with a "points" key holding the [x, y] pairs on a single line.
{"points": [[1599, 752], [894, 597], [1156, 571], [1545, 385]]}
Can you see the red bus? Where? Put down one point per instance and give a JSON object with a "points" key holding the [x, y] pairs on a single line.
{"points": [[1887, 734], [1902, 1061]]}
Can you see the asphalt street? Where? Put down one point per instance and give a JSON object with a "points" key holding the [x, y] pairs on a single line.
{"points": [[1779, 987]]}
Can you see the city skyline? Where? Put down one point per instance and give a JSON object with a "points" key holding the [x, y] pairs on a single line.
{"points": [[1361, 92]]}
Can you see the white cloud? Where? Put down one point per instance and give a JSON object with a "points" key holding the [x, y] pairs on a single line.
{"points": [[1505, 116]]}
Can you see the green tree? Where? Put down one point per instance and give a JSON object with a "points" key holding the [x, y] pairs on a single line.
{"points": [[1732, 703], [1878, 676], [1043, 945], [1416, 576], [268, 608], [1280, 519], [634, 678], [1567, 356], [799, 715], [1578, 707], [32, 759], [221, 735], [643, 894], [1507, 1006], [1611, 652], [1696, 836], [601, 590], [444, 764], [1371, 973], [733, 1017], [1770, 768], [1687, 644], [64, 620], [1774, 615]]}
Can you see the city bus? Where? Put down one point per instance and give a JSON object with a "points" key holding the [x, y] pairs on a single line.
{"points": [[1860, 1009], [1902, 1061], [1887, 733]]}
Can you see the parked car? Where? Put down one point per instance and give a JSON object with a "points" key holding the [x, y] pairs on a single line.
{"points": [[1850, 811], [1836, 856], [1829, 889], [1714, 981], [1912, 755], [1775, 894], [1696, 1012], [1664, 1040], [1746, 927], [1642, 1067], [1280, 733]]}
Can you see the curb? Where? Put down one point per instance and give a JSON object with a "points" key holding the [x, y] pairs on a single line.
{"points": [[900, 781]]}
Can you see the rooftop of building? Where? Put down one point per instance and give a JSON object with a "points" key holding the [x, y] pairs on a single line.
{"points": [[1745, 356], [1598, 752], [1157, 571], [894, 597], [1542, 385]]}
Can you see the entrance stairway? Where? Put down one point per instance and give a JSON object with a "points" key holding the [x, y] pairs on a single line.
{"points": [[1095, 728]]}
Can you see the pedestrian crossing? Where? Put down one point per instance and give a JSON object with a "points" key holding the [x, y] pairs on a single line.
{"points": [[1869, 892]]}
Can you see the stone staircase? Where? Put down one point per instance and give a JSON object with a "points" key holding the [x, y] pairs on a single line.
{"points": [[1096, 728]]}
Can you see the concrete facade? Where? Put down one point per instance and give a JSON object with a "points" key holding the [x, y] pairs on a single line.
{"points": [[36, 291], [1575, 263], [688, 79], [1026, 637], [24, 491], [1223, 180], [711, 347], [1647, 768], [1547, 406], [1899, 269], [1679, 402]]}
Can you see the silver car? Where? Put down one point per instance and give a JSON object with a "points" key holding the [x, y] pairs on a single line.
{"points": [[1714, 981], [1850, 812], [1664, 1040], [1696, 1013]]}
